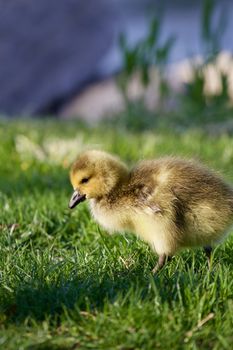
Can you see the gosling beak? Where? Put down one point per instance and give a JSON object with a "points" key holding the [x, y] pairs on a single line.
{"points": [[76, 199]]}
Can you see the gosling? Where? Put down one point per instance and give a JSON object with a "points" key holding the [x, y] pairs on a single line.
{"points": [[169, 202]]}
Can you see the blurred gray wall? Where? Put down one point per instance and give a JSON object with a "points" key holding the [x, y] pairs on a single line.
{"points": [[50, 50]]}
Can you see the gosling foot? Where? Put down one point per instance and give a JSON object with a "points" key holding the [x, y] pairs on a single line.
{"points": [[163, 259], [208, 252]]}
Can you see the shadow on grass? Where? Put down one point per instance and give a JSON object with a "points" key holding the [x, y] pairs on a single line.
{"points": [[47, 345], [39, 300]]}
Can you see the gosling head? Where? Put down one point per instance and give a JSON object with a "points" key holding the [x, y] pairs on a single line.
{"points": [[94, 175]]}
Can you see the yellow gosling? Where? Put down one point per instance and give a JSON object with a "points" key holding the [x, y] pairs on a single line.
{"points": [[169, 202]]}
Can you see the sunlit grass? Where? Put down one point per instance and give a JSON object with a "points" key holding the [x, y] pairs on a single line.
{"points": [[67, 284]]}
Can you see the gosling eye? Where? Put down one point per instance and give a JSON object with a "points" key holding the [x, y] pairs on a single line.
{"points": [[84, 180]]}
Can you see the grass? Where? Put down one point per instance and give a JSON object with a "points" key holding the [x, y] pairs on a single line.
{"points": [[66, 284]]}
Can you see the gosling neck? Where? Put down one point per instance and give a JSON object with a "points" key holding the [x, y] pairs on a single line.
{"points": [[117, 188]]}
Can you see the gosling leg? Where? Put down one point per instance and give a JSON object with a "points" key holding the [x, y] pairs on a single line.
{"points": [[208, 252], [163, 258]]}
